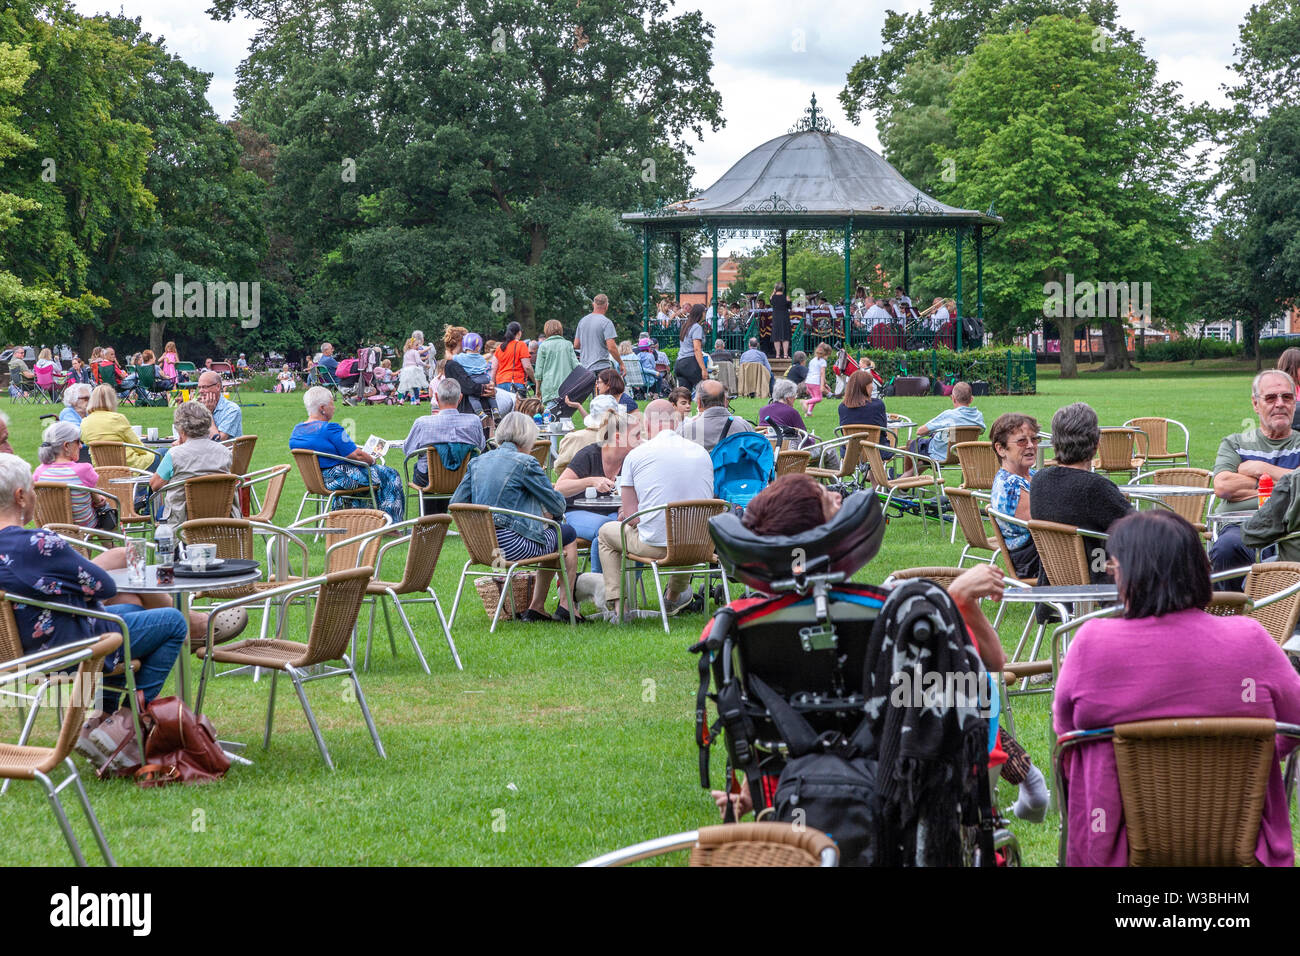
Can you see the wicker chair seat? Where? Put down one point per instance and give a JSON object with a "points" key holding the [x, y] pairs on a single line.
{"points": [[270, 652], [24, 762], [772, 845]]}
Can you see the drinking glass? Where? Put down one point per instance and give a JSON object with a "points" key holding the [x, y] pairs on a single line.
{"points": [[137, 560]]}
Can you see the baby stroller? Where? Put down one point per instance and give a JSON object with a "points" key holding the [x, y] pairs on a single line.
{"points": [[793, 673], [348, 376]]}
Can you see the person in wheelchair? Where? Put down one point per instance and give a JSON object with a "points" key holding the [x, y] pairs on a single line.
{"points": [[832, 538]]}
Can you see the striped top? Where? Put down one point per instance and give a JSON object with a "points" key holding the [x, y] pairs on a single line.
{"points": [[73, 473]]}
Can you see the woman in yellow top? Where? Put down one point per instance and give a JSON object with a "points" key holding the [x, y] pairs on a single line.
{"points": [[103, 422]]}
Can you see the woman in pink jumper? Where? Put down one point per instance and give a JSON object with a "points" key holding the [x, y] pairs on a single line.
{"points": [[1165, 658]]}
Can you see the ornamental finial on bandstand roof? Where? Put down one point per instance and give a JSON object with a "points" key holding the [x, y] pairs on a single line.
{"points": [[813, 119]]}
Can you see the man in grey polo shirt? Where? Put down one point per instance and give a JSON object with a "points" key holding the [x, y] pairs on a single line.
{"points": [[594, 338], [446, 424], [708, 427]]}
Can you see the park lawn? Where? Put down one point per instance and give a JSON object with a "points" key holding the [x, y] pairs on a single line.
{"points": [[553, 744]]}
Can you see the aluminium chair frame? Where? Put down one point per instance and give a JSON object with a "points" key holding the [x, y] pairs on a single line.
{"points": [[299, 677], [39, 665], [325, 503], [627, 570], [670, 844], [372, 599], [506, 589]]}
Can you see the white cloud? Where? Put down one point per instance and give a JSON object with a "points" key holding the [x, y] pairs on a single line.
{"points": [[764, 80]]}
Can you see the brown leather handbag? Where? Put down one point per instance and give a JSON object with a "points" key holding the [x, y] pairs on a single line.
{"points": [[180, 747]]}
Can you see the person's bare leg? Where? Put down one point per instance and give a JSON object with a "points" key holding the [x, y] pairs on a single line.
{"points": [[541, 588], [571, 572], [114, 559]]}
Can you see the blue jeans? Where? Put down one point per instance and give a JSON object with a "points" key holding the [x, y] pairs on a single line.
{"points": [[1228, 552], [587, 524], [157, 636]]}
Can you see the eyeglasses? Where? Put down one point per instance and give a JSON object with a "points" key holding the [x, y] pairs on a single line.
{"points": [[1020, 442], [1286, 398]]}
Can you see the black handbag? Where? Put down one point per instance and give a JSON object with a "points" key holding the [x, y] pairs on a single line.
{"points": [[106, 518]]}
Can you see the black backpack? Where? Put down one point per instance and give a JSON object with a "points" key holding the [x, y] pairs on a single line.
{"points": [[829, 781]]}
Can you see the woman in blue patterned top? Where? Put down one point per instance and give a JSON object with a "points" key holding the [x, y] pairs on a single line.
{"points": [[1015, 442]]}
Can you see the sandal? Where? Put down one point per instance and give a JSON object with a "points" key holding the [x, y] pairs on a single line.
{"points": [[530, 616], [562, 615]]}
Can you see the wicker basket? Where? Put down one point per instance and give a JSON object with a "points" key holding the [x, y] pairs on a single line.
{"points": [[489, 590]]}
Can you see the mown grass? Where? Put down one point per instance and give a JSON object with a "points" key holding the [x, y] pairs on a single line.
{"points": [[552, 745]]}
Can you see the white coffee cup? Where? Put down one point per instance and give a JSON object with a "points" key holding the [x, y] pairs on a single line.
{"points": [[139, 431], [591, 492], [200, 555], [153, 434]]}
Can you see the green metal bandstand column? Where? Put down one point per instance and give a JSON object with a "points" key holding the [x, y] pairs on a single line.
{"points": [[645, 277], [677, 267], [979, 273], [957, 317], [848, 281]]}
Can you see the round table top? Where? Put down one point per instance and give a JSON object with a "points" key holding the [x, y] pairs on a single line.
{"points": [[599, 503], [181, 583], [1064, 594], [130, 480], [1165, 491], [1232, 517]]}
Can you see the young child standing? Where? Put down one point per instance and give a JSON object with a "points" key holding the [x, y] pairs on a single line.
{"points": [[816, 377]]}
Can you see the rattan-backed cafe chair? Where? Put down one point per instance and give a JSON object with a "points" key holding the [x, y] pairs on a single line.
{"points": [[979, 464], [1191, 508], [423, 538], [957, 435], [736, 844], [850, 450], [1117, 451], [128, 519], [206, 496], [541, 451], [113, 453], [939, 575], [1227, 604], [1274, 591], [890, 487], [792, 462], [966, 510], [1192, 788], [313, 480], [54, 501], [11, 649], [442, 482], [689, 546], [27, 762], [1153, 441], [273, 480], [479, 535], [241, 453], [338, 599]]}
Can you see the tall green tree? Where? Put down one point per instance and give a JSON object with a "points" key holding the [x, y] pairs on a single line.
{"points": [[85, 173], [1083, 152], [438, 162], [1259, 200], [206, 221]]}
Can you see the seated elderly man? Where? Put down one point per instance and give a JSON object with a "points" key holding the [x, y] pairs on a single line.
{"points": [[227, 417], [1272, 449], [755, 354], [664, 468], [455, 431], [715, 420]]}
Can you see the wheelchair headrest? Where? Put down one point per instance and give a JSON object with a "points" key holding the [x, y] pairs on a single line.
{"points": [[847, 542]]}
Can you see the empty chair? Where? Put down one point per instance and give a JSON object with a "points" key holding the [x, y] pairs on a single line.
{"points": [[1192, 508], [791, 461], [1118, 451], [338, 599], [1153, 441]]}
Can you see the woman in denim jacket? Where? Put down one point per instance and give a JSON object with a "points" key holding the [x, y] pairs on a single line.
{"points": [[509, 477]]}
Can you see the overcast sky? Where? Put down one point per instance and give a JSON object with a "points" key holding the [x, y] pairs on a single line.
{"points": [[764, 80]]}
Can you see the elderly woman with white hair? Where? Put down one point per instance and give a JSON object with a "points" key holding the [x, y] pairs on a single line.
{"points": [[76, 398], [509, 477], [59, 454], [324, 436]]}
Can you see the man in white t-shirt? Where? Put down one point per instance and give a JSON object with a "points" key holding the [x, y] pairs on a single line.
{"points": [[664, 468], [594, 338]]}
